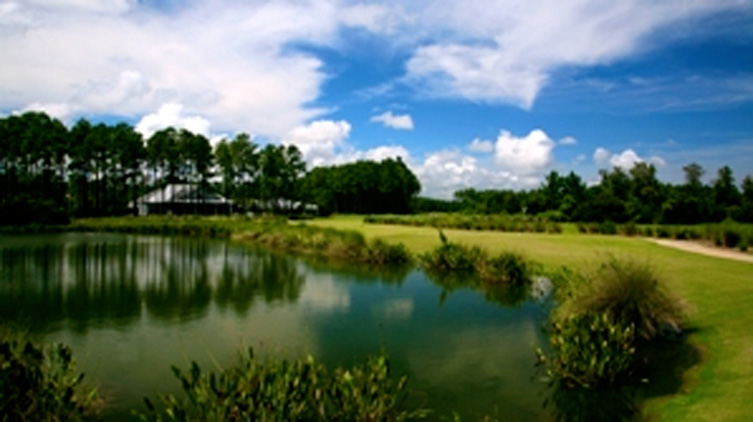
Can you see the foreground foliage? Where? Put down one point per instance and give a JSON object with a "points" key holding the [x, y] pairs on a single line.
{"points": [[39, 382], [280, 390]]}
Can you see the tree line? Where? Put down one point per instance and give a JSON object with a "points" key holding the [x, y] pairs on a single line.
{"points": [[620, 196], [49, 172]]}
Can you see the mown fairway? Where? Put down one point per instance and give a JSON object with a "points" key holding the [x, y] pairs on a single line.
{"points": [[719, 291]]}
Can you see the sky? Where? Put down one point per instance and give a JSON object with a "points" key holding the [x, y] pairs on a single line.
{"points": [[490, 95]]}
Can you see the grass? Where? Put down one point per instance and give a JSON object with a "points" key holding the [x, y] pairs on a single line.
{"points": [[718, 291]]}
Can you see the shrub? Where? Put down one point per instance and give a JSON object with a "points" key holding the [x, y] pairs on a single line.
{"points": [[589, 350], [605, 321], [280, 390], [629, 292], [629, 229], [452, 257], [383, 253], [662, 232], [40, 383], [608, 227], [509, 268], [731, 237]]}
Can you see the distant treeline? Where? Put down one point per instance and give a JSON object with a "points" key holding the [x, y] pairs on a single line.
{"points": [[49, 173], [621, 196]]}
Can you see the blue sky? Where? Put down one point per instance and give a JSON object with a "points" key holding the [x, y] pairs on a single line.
{"points": [[490, 94]]}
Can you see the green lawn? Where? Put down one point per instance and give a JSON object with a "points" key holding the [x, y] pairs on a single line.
{"points": [[719, 291]]}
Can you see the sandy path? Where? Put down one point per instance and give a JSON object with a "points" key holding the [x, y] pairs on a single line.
{"points": [[704, 249]]}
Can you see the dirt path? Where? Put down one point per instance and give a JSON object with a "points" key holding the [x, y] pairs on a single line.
{"points": [[694, 247]]}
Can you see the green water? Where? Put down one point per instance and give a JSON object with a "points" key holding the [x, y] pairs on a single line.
{"points": [[131, 306]]}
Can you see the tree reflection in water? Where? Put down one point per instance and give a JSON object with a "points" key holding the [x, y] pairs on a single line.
{"points": [[106, 282]]}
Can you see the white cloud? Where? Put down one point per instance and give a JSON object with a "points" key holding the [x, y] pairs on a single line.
{"points": [[626, 160], [601, 157], [518, 163], [171, 115], [444, 172], [394, 121], [528, 155], [506, 51], [377, 18], [61, 111], [383, 152], [227, 60], [321, 141], [234, 62], [480, 145], [568, 140]]}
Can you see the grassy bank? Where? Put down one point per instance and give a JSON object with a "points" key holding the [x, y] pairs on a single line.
{"points": [[273, 232], [717, 290]]}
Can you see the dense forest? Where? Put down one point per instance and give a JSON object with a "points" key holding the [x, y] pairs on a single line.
{"points": [[50, 173]]}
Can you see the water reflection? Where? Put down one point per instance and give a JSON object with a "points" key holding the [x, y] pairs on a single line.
{"points": [[511, 296], [107, 282], [132, 306], [570, 404]]}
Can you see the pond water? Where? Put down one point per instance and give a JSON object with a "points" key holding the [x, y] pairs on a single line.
{"points": [[131, 306]]}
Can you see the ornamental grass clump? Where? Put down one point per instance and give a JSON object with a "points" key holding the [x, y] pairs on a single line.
{"points": [[630, 292], [281, 390]]}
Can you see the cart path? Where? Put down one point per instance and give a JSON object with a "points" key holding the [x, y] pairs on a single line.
{"points": [[700, 248]]}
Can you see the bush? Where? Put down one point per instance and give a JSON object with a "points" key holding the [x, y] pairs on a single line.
{"points": [[279, 390], [608, 227], [509, 268], [731, 237], [604, 322], [383, 253], [589, 350], [629, 229], [451, 257], [40, 383], [629, 292]]}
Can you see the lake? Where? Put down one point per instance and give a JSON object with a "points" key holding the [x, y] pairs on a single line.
{"points": [[131, 306]]}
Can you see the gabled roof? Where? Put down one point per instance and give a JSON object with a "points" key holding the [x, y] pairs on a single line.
{"points": [[182, 193]]}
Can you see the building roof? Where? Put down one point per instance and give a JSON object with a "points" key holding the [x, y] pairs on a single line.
{"points": [[184, 193]]}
